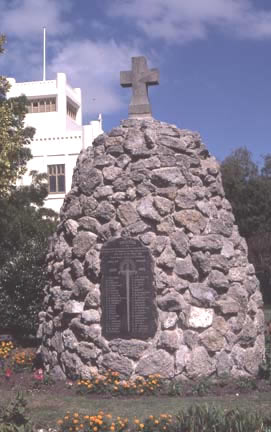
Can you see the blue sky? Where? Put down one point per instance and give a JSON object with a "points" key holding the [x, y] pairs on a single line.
{"points": [[214, 58]]}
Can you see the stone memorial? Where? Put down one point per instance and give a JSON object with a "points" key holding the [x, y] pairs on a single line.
{"points": [[147, 272]]}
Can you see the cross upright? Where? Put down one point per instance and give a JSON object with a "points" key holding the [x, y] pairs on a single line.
{"points": [[139, 78]]}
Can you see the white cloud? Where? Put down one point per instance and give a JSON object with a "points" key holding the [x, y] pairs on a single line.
{"points": [[179, 21], [26, 18], [95, 68]]}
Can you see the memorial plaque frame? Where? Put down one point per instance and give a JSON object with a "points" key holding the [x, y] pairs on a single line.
{"points": [[127, 290]]}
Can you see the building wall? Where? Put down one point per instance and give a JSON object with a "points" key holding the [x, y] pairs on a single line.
{"points": [[59, 138]]}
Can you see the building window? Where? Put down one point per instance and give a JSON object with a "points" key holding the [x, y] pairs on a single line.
{"points": [[56, 178], [41, 105], [71, 110]]}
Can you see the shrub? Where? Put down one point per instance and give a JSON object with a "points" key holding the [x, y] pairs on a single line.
{"points": [[14, 418]]}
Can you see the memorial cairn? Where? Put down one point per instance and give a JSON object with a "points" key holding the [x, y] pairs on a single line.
{"points": [[147, 272]]}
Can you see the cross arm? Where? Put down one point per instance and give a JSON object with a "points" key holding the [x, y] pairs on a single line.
{"points": [[126, 78], [152, 77]]}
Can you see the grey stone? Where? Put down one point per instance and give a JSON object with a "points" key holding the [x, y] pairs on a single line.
{"points": [[82, 287], [191, 338], [218, 281], [182, 358], [172, 301], [228, 306], [200, 364], [118, 363], [169, 340], [163, 205], [82, 242], [57, 374], [74, 307], [105, 212], [102, 161], [92, 263], [132, 348], [224, 365], [202, 293], [164, 177], [146, 209], [185, 269], [71, 363], [156, 362], [167, 259], [212, 340], [87, 351], [167, 192], [168, 320], [102, 192], [185, 198], [200, 317], [111, 173], [71, 227], [56, 342], [90, 316], [123, 161], [180, 243], [69, 340], [205, 243], [127, 214], [202, 262], [77, 269], [192, 220], [93, 299], [166, 226], [67, 281], [89, 179]]}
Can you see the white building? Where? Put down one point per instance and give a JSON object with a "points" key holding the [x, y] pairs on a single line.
{"points": [[55, 111]]}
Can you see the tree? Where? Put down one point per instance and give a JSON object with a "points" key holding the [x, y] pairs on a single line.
{"points": [[248, 189], [14, 136], [24, 224]]}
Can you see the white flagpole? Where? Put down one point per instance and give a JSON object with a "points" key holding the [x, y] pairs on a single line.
{"points": [[44, 53]]}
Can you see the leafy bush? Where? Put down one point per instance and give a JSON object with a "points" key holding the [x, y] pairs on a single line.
{"points": [[206, 418], [14, 418], [265, 368]]}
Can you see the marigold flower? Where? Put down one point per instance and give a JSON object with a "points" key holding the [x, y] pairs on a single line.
{"points": [[141, 425]]}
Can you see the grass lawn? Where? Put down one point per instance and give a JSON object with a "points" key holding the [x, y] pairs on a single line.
{"points": [[46, 406]]}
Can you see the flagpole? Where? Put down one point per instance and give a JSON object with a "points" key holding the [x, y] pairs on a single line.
{"points": [[44, 53]]}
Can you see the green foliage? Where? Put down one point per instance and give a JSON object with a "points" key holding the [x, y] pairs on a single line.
{"points": [[248, 188], [24, 236], [14, 418], [201, 418], [265, 368], [202, 387], [14, 136]]}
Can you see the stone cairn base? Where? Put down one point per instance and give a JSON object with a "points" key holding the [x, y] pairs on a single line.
{"points": [[154, 182]]}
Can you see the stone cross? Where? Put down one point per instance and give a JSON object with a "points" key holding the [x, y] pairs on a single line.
{"points": [[139, 78]]}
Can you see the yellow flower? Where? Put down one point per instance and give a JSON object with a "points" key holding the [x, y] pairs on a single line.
{"points": [[75, 421], [156, 421], [112, 428], [95, 428], [141, 425], [136, 421]]}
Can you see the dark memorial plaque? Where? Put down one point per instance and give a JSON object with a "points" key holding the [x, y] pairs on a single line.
{"points": [[128, 309]]}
